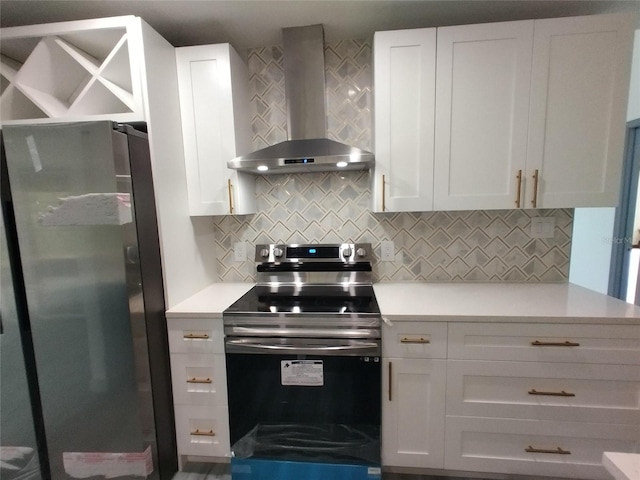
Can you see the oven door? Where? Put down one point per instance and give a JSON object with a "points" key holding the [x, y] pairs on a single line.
{"points": [[305, 399]]}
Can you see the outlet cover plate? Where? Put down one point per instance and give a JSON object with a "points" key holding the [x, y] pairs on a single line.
{"points": [[387, 251], [542, 227]]}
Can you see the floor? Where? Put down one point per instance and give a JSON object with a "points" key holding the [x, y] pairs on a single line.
{"points": [[204, 471]]}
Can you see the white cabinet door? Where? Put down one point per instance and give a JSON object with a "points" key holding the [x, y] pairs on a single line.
{"points": [[413, 413], [404, 79], [579, 87], [482, 109], [214, 104]]}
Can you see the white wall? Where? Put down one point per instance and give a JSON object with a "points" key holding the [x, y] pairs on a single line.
{"points": [[633, 111], [591, 248]]}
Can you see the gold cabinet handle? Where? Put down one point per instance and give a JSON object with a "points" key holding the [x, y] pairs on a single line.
{"points": [[561, 393], [191, 336], [519, 188], [230, 187], [199, 380], [208, 433], [383, 192], [414, 340], [538, 343], [534, 201], [555, 451], [390, 380]]}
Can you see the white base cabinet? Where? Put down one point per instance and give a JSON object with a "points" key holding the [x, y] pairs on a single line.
{"points": [[413, 402], [413, 413], [199, 380], [214, 105], [543, 400], [534, 447]]}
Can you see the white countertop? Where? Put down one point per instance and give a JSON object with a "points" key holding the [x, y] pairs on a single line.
{"points": [[500, 302], [211, 301], [453, 301], [622, 466]]}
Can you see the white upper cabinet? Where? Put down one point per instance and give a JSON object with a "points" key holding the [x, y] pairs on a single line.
{"points": [[214, 104], [528, 114], [72, 71], [404, 80], [579, 88], [482, 110]]}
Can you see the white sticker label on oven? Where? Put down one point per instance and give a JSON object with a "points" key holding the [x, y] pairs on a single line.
{"points": [[308, 373]]}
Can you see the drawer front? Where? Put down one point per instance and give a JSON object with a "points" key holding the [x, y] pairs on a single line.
{"points": [[195, 335], [202, 430], [546, 391], [614, 344], [199, 379], [539, 448], [414, 340]]}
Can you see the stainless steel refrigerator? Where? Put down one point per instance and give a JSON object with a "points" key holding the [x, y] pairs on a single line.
{"points": [[85, 384]]}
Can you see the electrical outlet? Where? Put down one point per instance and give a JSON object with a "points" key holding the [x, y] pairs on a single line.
{"points": [[387, 251], [542, 227], [240, 251]]}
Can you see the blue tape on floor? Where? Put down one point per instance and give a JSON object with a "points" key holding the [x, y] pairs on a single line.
{"points": [[256, 469]]}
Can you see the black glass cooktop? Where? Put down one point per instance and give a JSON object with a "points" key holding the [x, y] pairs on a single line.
{"points": [[308, 300]]}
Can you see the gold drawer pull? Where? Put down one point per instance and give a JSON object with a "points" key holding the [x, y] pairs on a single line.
{"points": [[198, 380], [557, 451], [553, 394], [538, 343], [191, 336], [208, 433], [414, 340]]}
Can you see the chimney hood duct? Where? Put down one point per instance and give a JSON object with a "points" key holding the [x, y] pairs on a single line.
{"points": [[307, 148]]}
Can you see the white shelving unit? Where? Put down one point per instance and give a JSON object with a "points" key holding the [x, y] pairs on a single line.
{"points": [[71, 71]]}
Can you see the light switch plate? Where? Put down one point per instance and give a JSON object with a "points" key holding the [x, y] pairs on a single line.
{"points": [[240, 251], [543, 227]]}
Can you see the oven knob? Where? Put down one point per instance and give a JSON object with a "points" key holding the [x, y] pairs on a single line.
{"points": [[277, 252], [346, 253], [264, 253], [361, 252]]}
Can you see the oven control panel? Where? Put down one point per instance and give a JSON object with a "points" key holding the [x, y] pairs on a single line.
{"points": [[297, 253]]}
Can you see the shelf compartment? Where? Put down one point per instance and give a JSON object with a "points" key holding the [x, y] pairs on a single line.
{"points": [[16, 106], [51, 78], [97, 99]]}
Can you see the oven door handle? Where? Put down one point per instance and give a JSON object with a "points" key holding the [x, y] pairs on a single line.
{"points": [[354, 348]]}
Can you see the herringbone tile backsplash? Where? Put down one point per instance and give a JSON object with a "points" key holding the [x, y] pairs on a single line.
{"points": [[488, 246]]}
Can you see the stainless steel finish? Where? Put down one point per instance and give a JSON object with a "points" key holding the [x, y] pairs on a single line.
{"points": [[325, 154], [304, 82], [304, 346], [301, 280], [331, 326], [306, 116], [271, 253]]}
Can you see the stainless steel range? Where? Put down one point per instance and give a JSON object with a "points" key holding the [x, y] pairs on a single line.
{"points": [[303, 361]]}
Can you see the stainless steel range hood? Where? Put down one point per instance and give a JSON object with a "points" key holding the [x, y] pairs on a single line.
{"points": [[307, 148]]}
